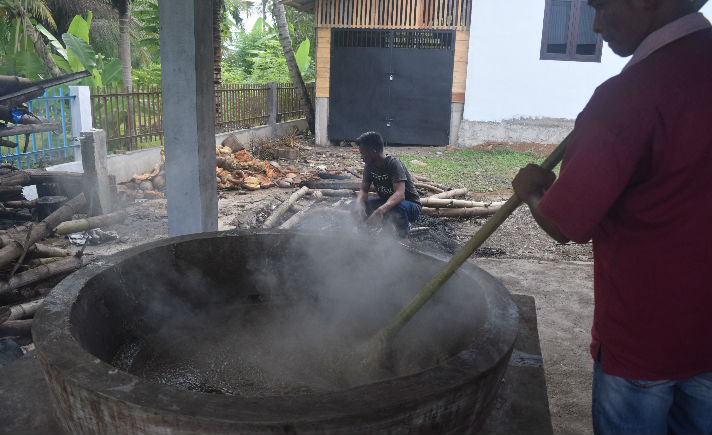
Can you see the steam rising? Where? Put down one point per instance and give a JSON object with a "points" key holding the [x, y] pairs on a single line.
{"points": [[282, 315]]}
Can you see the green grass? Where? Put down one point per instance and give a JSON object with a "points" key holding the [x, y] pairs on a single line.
{"points": [[479, 171]]}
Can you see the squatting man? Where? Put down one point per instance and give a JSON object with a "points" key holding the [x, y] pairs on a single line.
{"points": [[398, 202]]}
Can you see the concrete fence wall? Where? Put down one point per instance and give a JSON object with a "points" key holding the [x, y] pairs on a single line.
{"points": [[124, 166]]}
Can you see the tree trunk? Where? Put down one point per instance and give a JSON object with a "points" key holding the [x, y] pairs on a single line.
{"points": [[125, 56], [306, 103], [217, 58]]}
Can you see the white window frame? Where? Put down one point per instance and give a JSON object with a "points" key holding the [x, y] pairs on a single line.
{"points": [[574, 20]]}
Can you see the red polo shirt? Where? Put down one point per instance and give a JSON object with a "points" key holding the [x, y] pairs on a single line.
{"points": [[637, 180]]}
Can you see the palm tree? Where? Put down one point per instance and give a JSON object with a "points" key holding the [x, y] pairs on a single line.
{"points": [[37, 9], [122, 7], [64, 11], [281, 19]]}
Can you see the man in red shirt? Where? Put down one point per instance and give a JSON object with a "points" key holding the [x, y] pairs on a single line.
{"points": [[637, 180]]}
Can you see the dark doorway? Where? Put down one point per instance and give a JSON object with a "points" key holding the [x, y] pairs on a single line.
{"points": [[396, 82]]}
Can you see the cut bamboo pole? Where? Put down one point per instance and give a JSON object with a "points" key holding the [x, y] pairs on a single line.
{"points": [[459, 212], [294, 219], [75, 226], [21, 311], [336, 192], [40, 250], [450, 193], [428, 187], [455, 203], [41, 272], [274, 217], [21, 204]]}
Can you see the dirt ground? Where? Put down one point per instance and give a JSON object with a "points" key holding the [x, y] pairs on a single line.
{"points": [[519, 254]]}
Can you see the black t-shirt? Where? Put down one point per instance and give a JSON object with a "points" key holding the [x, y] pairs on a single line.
{"points": [[383, 179]]}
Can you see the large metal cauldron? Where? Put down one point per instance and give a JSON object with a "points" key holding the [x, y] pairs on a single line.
{"points": [[470, 327]]}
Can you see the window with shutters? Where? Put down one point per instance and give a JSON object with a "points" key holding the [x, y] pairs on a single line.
{"points": [[568, 32]]}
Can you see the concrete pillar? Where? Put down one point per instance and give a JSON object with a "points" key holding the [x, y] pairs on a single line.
{"points": [[97, 184], [321, 121], [272, 103], [80, 114], [188, 115], [456, 110]]}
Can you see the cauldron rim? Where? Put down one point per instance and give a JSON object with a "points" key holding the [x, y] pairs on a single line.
{"points": [[61, 354]]}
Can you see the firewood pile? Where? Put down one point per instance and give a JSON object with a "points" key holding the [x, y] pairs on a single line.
{"points": [[30, 268], [31, 262]]}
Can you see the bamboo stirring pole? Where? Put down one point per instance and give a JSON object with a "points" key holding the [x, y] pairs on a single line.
{"points": [[385, 335]]}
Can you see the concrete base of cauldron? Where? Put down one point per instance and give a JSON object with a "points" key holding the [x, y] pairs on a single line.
{"points": [[520, 408]]}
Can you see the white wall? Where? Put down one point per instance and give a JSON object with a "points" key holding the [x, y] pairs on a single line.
{"points": [[506, 79]]}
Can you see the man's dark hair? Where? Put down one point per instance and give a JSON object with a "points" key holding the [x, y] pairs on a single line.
{"points": [[372, 140]]}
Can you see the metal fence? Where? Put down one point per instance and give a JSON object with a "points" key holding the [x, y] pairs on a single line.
{"points": [[53, 146], [288, 107], [237, 107], [132, 120], [241, 106]]}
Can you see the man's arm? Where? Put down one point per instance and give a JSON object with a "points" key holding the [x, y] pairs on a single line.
{"points": [[393, 200], [529, 185]]}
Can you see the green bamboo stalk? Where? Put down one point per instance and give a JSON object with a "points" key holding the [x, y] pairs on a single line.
{"points": [[384, 337]]}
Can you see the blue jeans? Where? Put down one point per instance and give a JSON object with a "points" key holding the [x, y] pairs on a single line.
{"points": [[626, 406], [400, 215]]}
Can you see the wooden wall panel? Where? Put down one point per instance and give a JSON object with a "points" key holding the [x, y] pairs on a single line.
{"points": [[398, 14], [323, 61], [459, 74]]}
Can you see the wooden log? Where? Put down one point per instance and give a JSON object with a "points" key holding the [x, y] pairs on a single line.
{"points": [[75, 226], [450, 193], [42, 272], [332, 184], [40, 176], [455, 203], [17, 178], [10, 193], [421, 178], [336, 192], [272, 219], [15, 216], [20, 311], [430, 187], [40, 261], [13, 249], [294, 219], [43, 251], [16, 328], [29, 129], [459, 212], [21, 204], [26, 293]]}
